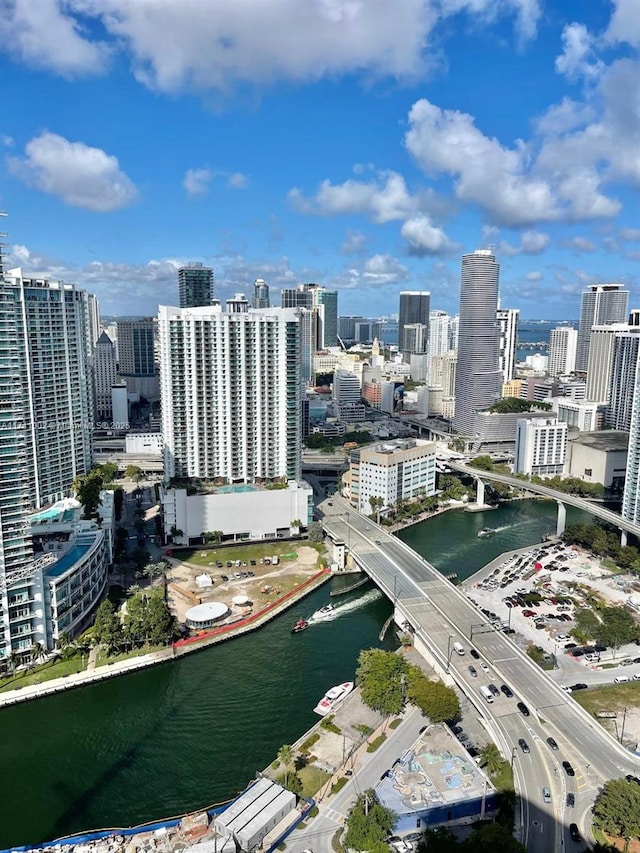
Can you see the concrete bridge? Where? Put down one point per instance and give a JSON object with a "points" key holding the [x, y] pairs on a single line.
{"points": [[562, 498]]}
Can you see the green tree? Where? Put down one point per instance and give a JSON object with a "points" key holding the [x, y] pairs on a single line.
{"points": [[315, 532], [107, 629], [108, 471], [87, 490], [617, 627], [285, 757], [434, 698], [37, 652], [159, 622], [587, 623], [376, 503], [491, 758], [439, 840], [368, 824], [484, 463], [292, 783], [140, 556], [616, 810], [493, 836], [380, 676], [134, 472]]}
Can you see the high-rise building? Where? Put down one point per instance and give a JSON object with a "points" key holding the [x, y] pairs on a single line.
{"points": [[541, 446], [328, 299], [104, 376], [624, 365], [508, 324], [439, 326], [413, 308], [601, 347], [346, 388], [415, 338], [238, 304], [562, 350], [347, 327], [137, 347], [454, 327], [260, 294], [601, 304], [45, 436], [478, 376], [195, 285], [230, 390], [631, 495]]}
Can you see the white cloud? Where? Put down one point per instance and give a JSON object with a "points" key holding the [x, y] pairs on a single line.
{"points": [[531, 243], [580, 244], [624, 25], [631, 235], [354, 243], [566, 115], [577, 58], [383, 269], [43, 35], [82, 176], [533, 275], [423, 238], [196, 181], [6, 140], [237, 181], [384, 199], [183, 44]]}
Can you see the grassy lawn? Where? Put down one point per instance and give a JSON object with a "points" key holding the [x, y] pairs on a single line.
{"points": [[285, 550], [613, 697], [42, 673], [102, 658], [312, 779]]}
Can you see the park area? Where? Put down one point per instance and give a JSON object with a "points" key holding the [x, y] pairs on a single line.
{"points": [[245, 578]]}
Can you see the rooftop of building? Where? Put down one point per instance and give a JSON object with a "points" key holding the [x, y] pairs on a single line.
{"points": [[393, 445], [436, 770], [201, 487], [61, 512], [604, 440], [83, 543]]}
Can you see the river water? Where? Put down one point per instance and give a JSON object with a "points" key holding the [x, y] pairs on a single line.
{"points": [[186, 734]]}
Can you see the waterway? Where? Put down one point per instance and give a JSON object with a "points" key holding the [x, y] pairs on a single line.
{"points": [[185, 734]]}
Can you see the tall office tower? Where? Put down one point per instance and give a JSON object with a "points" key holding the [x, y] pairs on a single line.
{"points": [[439, 327], [137, 347], [45, 435], [346, 388], [478, 376], [624, 364], [104, 376], [230, 391], [347, 327], [634, 317], [195, 285], [443, 373], [413, 308], [562, 350], [508, 323], [328, 299], [601, 304], [260, 294], [239, 304], [415, 338], [600, 360], [631, 495]]}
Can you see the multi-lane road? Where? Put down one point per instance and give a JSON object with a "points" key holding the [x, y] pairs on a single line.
{"points": [[442, 615]]}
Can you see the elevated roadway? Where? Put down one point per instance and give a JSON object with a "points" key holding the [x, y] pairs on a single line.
{"points": [[561, 497], [439, 615]]}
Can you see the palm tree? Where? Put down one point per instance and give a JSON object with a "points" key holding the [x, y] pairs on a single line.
{"points": [[176, 533], [37, 652], [134, 589], [376, 505], [285, 757], [491, 758], [295, 526]]}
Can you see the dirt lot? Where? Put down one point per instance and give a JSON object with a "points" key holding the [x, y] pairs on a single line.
{"points": [[621, 699], [297, 562]]}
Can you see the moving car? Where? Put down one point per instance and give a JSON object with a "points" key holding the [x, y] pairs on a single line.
{"points": [[523, 709], [571, 800], [524, 746], [494, 690], [574, 832], [473, 672], [568, 769], [579, 686], [546, 795], [508, 692], [474, 654], [484, 667], [552, 744]]}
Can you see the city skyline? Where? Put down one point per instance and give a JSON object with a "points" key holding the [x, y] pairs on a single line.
{"points": [[404, 147]]}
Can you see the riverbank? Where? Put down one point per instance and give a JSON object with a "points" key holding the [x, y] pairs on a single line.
{"points": [[177, 650]]}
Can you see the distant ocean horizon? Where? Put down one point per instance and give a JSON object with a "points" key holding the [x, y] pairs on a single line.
{"points": [[533, 336]]}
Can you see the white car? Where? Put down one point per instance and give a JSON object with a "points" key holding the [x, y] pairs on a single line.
{"points": [[484, 667]]}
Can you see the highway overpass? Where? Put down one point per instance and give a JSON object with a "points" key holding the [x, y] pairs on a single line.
{"points": [[561, 497], [439, 614]]}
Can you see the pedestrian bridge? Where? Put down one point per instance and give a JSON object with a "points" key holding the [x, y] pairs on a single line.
{"points": [[562, 498]]}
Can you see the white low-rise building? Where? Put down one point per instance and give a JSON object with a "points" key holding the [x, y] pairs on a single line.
{"points": [[398, 469], [541, 445], [243, 511]]}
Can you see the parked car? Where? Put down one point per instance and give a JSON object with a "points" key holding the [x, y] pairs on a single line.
{"points": [[494, 690], [528, 612], [484, 667], [508, 692], [473, 672], [579, 686]]}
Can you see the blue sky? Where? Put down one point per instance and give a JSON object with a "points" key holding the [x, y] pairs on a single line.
{"points": [[361, 144]]}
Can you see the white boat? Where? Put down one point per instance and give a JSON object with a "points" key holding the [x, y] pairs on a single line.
{"points": [[486, 531], [332, 698], [326, 612]]}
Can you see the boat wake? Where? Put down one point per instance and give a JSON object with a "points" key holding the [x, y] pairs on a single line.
{"points": [[346, 608]]}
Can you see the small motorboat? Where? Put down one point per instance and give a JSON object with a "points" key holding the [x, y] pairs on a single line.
{"points": [[326, 612], [300, 625], [486, 531]]}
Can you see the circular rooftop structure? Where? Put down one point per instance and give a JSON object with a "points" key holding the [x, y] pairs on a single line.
{"points": [[206, 615]]}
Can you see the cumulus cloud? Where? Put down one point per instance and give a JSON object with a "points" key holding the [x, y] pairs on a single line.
{"points": [[566, 115], [531, 243], [179, 44], [630, 235], [44, 35], [82, 176], [237, 181], [624, 25], [6, 140], [383, 199], [354, 243], [423, 238], [580, 244], [196, 181], [533, 275], [577, 58]]}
